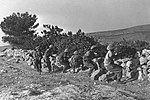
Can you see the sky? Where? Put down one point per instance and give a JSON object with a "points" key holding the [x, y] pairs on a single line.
{"points": [[87, 15]]}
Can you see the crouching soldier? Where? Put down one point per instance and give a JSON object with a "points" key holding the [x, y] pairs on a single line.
{"points": [[88, 60], [110, 65], [101, 69], [134, 66], [47, 54], [37, 55], [63, 60], [76, 61]]}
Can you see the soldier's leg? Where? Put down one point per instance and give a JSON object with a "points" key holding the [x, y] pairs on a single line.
{"points": [[38, 70], [100, 73], [49, 66], [119, 76], [118, 70], [110, 77], [82, 66], [36, 64], [66, 66], [73, 66], [53, 66], [48, 63], [85, 65], [88, 65], [40, 66], [134, 76], [93, 67]]}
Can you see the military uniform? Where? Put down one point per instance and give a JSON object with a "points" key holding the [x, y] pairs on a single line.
{"points": [[37, 60], [88, 60], [63, 60], [134, 73], [134, 66], [76, 61], [47, 54], [110, 65]]}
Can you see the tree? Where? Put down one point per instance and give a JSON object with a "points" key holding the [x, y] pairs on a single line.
{"points": [[55, 36], [128, 48], [78, 41], [19, 28], [51, 35]]}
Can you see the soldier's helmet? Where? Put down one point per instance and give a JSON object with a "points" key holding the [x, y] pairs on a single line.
{"points": [[93, 47], [110, 46], [50, 46], [54, 55], [37, 48], [87, 53], [66, 50], [75, 52]]}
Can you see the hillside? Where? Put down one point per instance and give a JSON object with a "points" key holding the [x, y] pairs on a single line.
{"points": [[19, 81], [141, 32]]}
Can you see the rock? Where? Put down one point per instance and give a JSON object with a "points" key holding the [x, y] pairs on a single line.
{"points": [[146, 52], [30, 62], [148, 58], [34, 92], [35, 85], [3, 71], [143, 60], [140, 77], [148, 77], [148, 63], [32, 66], [2, 54], [25, 92]]}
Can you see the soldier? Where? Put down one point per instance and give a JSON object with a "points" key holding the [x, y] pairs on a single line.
{"points": [[110, 65], [76, 61], [101, 69], [134, 73], [63, 60], [88, 59], [47, 54], [37, 59]]}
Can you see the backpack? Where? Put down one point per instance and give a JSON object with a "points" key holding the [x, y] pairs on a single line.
{"points": [[76, 59]]}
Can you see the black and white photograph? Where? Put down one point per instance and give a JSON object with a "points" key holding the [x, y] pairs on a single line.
{"points": [[74, 49]]}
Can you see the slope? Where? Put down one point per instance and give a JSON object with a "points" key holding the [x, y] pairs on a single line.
{"points": [[141, 32]]}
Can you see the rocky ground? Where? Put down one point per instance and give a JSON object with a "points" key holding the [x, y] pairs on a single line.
{"points": [[19, 82]]}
